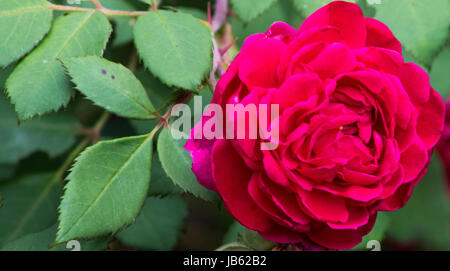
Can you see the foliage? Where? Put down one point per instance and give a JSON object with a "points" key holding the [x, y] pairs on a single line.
{"points": [[423, 28], [158, 226], [181, 55]]}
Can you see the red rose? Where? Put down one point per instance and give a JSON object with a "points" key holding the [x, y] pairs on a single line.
{"points": [[356, 126]]}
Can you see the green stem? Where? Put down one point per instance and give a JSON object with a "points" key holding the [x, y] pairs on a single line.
{"points": [[80, 147], [65, 166], [101, 122]]}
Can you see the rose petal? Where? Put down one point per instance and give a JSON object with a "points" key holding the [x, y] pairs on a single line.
{"points": [[282, 31], [334, 59], [295, 89], [379, 35], [430, 122], [347, 17], [286, 201], [358, 216], [416, 83], [340, 239], [392, 184], [324, 205], [264, 201], [201, 156], [257, 71], [232, 178], [358, 193], [413, 160], [274, 170]]}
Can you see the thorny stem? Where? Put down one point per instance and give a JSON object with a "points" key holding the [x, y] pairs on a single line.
{"points": [[107, 12]]}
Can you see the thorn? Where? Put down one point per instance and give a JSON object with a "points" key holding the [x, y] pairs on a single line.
{"points": [[209, 13], [153, 6], [225, 49]]}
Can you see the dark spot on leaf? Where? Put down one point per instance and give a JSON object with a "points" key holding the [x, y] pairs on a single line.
{"points": [[113, 77], [103, 71]]}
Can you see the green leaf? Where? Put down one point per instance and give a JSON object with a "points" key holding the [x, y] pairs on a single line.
{"points": [[127, 5], [235, 246], [235, 231], [423, 26], [97, 244], [206, 95], [23, 24], [38, 84], [175, 47], [253, 240], [123, 31], [162, 98], [248, 10], [197, 13], [159, 92], [53, 134], [6, 171], [308, 7], [106, 189], [367, 8], [161, 184], [110, 85], [378, 232], [439, 78], [425, 217], [42, 241], [145, 1], [29, 205], [39, 241], [408, 57], [144, 126], [4, 74], [158, 226], [177, 163]]}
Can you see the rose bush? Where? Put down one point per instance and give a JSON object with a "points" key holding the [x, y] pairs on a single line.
{"points": [[357, 126]]}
